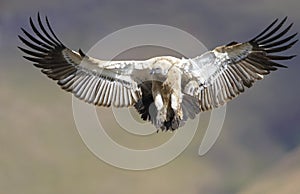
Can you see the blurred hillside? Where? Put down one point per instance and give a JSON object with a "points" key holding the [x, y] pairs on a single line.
{"points": [[281, 178], [42, 152]]}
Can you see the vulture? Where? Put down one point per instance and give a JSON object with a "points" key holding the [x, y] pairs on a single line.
{"points": [[165, 90]]}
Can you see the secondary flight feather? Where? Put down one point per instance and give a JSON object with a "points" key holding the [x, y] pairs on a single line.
{"points": [[165, 90]]}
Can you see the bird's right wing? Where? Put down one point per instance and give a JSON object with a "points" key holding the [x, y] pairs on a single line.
{"points": [[226, 71], [102, 83]]}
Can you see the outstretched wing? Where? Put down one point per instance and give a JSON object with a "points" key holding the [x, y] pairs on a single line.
{"points": [[102, 83], [225, 72]]}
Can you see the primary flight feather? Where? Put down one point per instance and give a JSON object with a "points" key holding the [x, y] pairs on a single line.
{"points": [[165, 90]]}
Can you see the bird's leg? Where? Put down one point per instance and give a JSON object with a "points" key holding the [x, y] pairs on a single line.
{"points": [[172, 88], [176, 104], [174, 81], [159, 104]]}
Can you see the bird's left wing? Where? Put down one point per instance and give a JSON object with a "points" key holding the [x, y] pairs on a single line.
{"points": [[225, 72], [102, 83]]}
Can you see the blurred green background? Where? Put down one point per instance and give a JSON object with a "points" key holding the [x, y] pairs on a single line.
{"points": [[41, 151]]}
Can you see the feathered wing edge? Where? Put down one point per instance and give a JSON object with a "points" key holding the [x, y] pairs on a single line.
{"points": [[98, 86], [247, 63]]}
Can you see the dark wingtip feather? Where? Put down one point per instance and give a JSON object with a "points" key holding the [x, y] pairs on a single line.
{"points": [[31, 22], [273, 31], [282, 48], [265, 30], [284, 19], [46, 33], [276, 43], [271, 40], [82, 54], [31, 59], [276, 57], [24, 50], [33, 46], [23, 30], [276, 37], [279, 65], [32, 53], [52, 32], [21, 38]]}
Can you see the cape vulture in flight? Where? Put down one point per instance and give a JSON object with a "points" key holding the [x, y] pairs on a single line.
{"points": [[165, 90]]}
